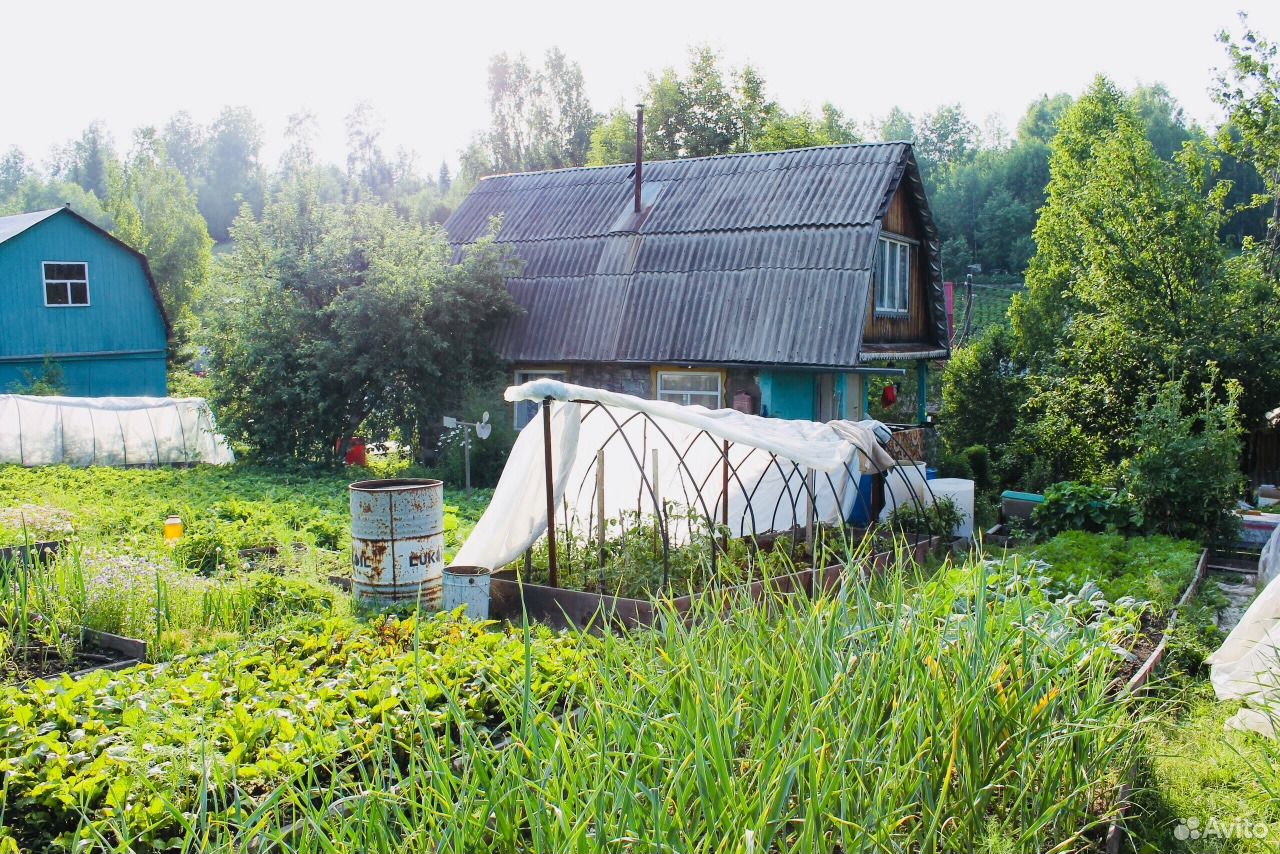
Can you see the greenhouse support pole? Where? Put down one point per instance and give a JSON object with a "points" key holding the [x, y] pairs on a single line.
{"points": [[600, 505], [811, 483], [724, 493], [553, 571]]}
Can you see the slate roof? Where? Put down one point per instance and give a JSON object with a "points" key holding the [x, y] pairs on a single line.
{"points": [[760, 258], [12, 226]]}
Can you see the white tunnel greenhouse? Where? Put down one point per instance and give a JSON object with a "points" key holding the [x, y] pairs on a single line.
{"points": [[109, 431]]}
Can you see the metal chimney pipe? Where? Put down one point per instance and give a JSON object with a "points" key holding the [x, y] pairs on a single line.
{"points": [[639, 151]]}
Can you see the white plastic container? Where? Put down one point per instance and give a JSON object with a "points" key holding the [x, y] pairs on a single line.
{"points": [[904, 487], [960, 491]]}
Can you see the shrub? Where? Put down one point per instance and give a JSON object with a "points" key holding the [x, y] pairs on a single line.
{"points": [[208, 548], [955, 465], [1046, 450], [937, 519], [1184, 471], [982, 392], [1086, 507], [978, 458]]}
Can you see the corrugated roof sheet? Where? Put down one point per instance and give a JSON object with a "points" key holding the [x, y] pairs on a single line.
{"points": [[12, 226], [743, 259]]}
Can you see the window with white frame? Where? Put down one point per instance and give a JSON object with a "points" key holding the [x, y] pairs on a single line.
{"points": [[66, 283], [527, 410], [690, 387], [893, 276]]}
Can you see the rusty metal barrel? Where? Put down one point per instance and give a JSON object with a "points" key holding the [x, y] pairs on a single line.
{"points": [[397, 540]]}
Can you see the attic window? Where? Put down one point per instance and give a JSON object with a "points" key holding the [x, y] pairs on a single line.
{"points": [[893, 277], [66, 283]]}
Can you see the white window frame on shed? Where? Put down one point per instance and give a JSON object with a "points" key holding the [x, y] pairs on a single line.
{"points": [[893, 277], [665, 389], [524, 411], [66, 283]]}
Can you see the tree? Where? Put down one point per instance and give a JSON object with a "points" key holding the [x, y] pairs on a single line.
{"points": [[1162, 118], [184, 145], [1184, 469], [86, 160], [1040, 314], [801, 130], [540, 118], [946, 136], [347, 316], [1040, 122], [1249, 90], [369, 174], [233, 173], [897, 126], [982, 392], [155, 212], [13, 171], [707, 109], [1130, 286], [1003, 229], [35, 193]]}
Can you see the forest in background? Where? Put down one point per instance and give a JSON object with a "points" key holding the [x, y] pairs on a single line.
{"points": [[1147, 244], [986, 182]]}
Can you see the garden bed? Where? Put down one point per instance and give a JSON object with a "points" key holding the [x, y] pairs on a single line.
{"points": [[94, 651], [22, 554], [512, 600]]}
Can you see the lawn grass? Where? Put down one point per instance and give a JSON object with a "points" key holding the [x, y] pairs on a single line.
{"points": [[1192, 767]]}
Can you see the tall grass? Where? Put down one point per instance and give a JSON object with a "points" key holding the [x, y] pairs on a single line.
{"points": [[951, 715], [173, 609]]}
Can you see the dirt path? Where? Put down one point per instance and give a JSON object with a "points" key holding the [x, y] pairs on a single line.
{"points": [[1239, 595]]}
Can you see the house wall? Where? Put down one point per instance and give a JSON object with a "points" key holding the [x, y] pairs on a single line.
{"points": [[903, 219], [116, 345]]}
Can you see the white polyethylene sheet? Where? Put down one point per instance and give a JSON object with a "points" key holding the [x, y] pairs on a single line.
{"points": [[1247, 665], [109, 431], [765, 494]]}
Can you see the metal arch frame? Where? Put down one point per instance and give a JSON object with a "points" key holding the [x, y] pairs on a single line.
{"points": [[809, 488]]}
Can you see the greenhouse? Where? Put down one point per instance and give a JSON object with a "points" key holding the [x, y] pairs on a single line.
{"points": [[109, 431]]}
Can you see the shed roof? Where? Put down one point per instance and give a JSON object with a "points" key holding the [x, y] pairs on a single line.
{"points": [[13, 225], [761, 258]]}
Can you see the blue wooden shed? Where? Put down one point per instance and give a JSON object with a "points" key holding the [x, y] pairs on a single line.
{"points": [[73, 296]]}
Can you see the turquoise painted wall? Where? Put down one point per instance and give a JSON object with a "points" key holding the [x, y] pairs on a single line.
{"points": [[789, 394], [116, 345]]}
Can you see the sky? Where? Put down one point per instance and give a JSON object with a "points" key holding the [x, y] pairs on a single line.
{"points": [[422, 65]]}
